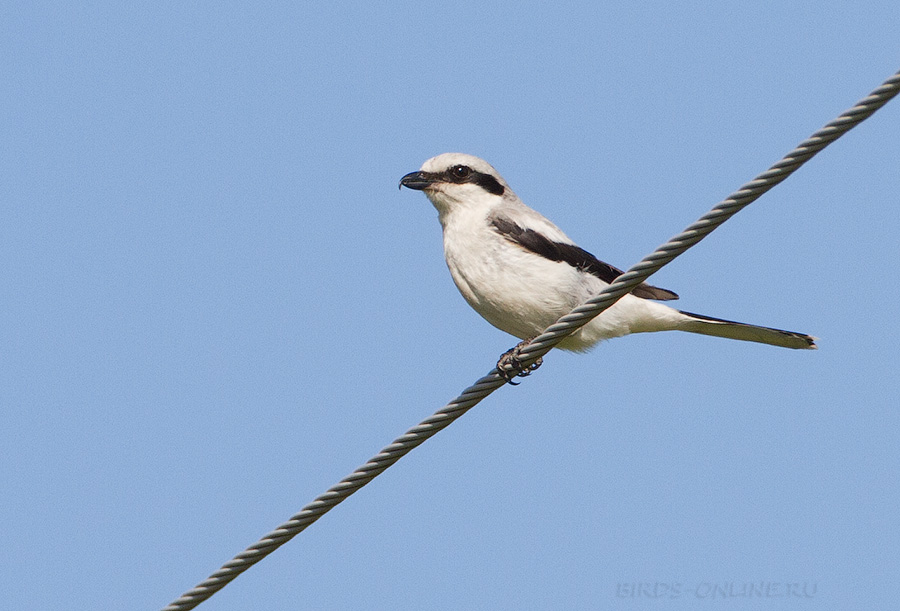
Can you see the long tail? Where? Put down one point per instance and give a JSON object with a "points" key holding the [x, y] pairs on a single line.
{"points": [[697, 323]]}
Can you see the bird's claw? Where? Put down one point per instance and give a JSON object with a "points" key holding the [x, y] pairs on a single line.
{"points": [[510, 364]]}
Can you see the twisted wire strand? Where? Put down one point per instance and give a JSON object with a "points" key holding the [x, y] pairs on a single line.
{"points": [[539, 346]]}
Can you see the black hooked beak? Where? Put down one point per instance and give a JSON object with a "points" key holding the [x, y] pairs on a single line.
{"points": [[417, 181]]}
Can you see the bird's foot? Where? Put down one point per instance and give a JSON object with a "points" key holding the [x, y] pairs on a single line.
{"points": [[510, 364]]}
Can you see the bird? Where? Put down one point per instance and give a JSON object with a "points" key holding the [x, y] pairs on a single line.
{"points": [[521, 273]]}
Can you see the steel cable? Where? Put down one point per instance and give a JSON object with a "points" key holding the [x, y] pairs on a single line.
{"points": [[540, 345]]}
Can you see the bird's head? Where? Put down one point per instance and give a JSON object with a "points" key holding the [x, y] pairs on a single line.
{"points": [[455, 180]]}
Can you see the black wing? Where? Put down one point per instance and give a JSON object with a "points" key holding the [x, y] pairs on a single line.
{"points": [[530, 239]]}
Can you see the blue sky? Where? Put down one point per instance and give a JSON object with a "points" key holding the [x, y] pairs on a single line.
{"points": [[215, 303]]}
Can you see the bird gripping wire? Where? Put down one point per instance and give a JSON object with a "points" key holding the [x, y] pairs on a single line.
{"points": [[539, 346]]}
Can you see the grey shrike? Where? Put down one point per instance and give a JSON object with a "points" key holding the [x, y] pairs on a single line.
{"points": [[521, 273]]}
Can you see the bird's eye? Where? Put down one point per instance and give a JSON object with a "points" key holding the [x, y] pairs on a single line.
{"points": [[460, 171]]}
